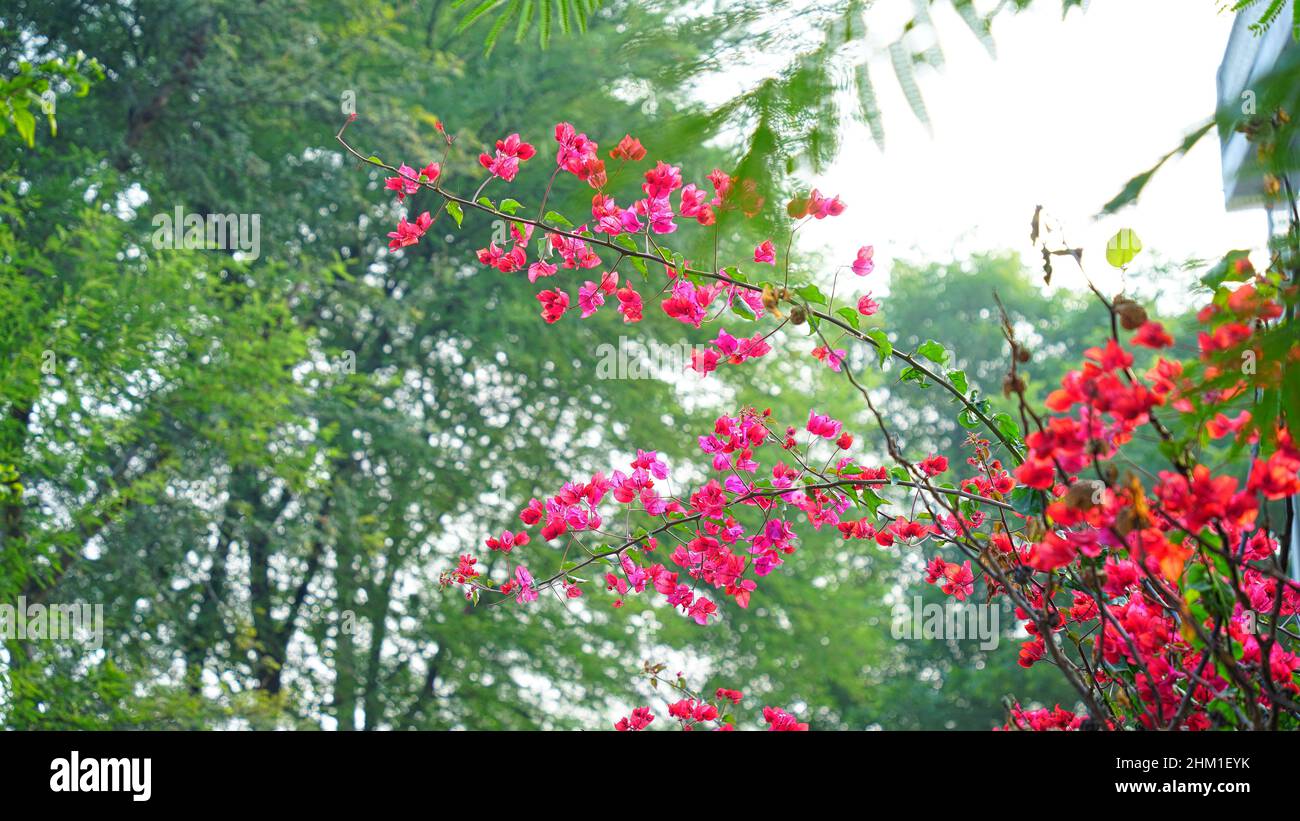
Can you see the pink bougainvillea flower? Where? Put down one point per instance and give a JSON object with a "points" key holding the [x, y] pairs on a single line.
{"points": [[576, 153], [512, 146], [540, 269], [821, 207], [525, 581], [662, 180], [658, 211], [500, 165], [692, 201], [704, 360], [823, 425], [404, 183], [832, 358], [721, 182], [765, 252], [590, 297], [864, 265], [866, 305]]}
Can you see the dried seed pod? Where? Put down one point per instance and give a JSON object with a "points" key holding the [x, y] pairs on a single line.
{"points": [[1131, 315], [1012, 384], [797, 315], [1022, 353], [1084, 494]]}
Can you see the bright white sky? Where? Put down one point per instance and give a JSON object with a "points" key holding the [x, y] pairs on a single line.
{"points": [[1063, 117]]}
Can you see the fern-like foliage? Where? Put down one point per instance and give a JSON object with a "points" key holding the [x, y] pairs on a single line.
{"points": [[1270, 14], [567, 14], [803, 68]]}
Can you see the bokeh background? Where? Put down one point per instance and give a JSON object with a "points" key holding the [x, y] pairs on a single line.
{"points": [[266, 524]]}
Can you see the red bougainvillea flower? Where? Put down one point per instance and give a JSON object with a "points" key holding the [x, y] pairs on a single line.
{"points": [[958, 581], [734, 696], [507, 541], [864, 265], [629, 148], [408, 233], [689, 303], [722, 183], [1222, 424], [639, 720], [934, 465], [765, 252], [554, 304], [629, 304], [1153, 335], [781, 721]]}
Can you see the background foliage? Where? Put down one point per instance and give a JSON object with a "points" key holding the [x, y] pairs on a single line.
{"points": [[265, 527]]}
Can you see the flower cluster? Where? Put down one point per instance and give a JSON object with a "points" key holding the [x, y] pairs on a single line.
{"points": [[695, 712], [1159, 594]]}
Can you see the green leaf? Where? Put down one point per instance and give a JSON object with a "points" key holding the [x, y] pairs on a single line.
{"points": [[1226, 270], [884, 348], [740, 309], [958, 380], [850, 316], [933, 351], [454, 209], [1134, 186], [1027, 501], [557, 219], [626, 242], [1123, 247], [26, 125], [812, 293], [1007, 427], [911, 374]]}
